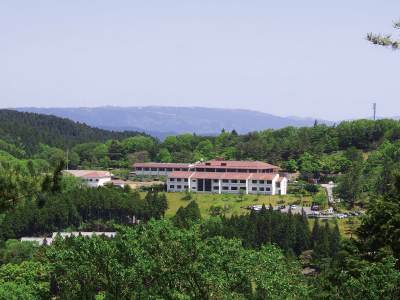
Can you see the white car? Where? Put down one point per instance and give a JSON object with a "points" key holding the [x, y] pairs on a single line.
{"points": [[293, 206]]}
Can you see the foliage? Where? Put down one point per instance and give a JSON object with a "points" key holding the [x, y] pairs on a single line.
{"points": [[158, 261], [15, 251], [385, 40], [34, 129], [28, 280], [187, 216]]}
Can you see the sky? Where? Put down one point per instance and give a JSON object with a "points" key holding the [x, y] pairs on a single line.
{"points": [[288, 58]]}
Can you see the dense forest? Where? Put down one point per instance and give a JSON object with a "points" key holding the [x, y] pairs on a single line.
{"points": [[256, 255], [29, 130]]}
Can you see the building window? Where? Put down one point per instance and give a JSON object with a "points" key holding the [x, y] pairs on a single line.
{"points": [[146, 169], [225, 188], [178, 186], [242, 188], [242, 181], [233, 181], [172, 179], [169, 169], [268, 189], [185, 180], [215, 180], [215, 187], [225, 180], [138, 169], [278, 184], [171, 186], [154, 169], [97, 180], [261, 189], [179, 180], [161, 169], [186, 187], [193, 180], [233, 188], [269, 181], [254, 189], [254, 181], [261, 181]]}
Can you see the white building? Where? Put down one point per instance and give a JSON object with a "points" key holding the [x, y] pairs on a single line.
{"points": [[219, 176], [38, 240], [228, 182], [49, 240], [83, 233], [93, 178]]}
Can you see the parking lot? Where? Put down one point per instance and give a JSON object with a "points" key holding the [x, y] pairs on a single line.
{"points": [[296, 209]]}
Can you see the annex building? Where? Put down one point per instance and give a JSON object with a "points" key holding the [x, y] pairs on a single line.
{"points": [[218, 176]]}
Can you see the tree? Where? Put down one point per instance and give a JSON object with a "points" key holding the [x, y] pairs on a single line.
{"points": [[385, 40], [57, 177], [380, 226], [159, 261], [29, 279], [15, 251], [164, 155], [187, 216], [349, 185]]}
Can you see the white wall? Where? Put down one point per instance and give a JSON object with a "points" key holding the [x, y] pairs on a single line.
{"points": [[262, 187], [96, 182]]}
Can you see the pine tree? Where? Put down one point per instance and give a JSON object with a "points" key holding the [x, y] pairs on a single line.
{"points": [[334, 240], [315, 232], [57, 175], [321, 249]]}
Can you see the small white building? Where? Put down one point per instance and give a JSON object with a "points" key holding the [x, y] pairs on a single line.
{"points": [[38, 240], [93, 178], [83, 233]]}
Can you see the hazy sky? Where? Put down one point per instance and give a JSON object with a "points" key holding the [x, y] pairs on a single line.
{"points": [[303, 58]]}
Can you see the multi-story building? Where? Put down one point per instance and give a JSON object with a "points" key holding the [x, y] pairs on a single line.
{"points": [[219, 176]]}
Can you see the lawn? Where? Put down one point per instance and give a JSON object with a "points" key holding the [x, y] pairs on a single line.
{"points": [[234, 204]]}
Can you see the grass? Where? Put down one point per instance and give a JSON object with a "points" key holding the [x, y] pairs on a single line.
{"points": [[234, 203]]}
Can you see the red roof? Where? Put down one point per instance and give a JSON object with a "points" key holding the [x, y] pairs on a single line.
{"points": [[89, 173], [236, 164], [160, 165], [222, 175]]}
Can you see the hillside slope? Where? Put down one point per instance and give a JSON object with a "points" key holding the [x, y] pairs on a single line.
{"points": [[157, 120], [31, 129]]}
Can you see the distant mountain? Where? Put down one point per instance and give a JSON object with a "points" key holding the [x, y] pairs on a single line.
{"points": [[160, 121], [31, 129]]}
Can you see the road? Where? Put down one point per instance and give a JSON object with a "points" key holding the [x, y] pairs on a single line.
{"points": [[329, 190]]}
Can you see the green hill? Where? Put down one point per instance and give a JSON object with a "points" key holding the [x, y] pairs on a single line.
{"points": [[31, 129]]}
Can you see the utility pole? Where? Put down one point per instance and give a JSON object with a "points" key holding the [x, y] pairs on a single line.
{"points": [[374, 109]]}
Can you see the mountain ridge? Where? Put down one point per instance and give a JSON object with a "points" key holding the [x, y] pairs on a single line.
{"points": [[165, 120]]}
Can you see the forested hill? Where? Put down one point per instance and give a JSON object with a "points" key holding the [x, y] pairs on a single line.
{"points": [[161, 121], [31, 129]]}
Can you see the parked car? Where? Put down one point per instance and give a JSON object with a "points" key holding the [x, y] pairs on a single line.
{"points": [[341, 216], [293, 206], [315, 207]]}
